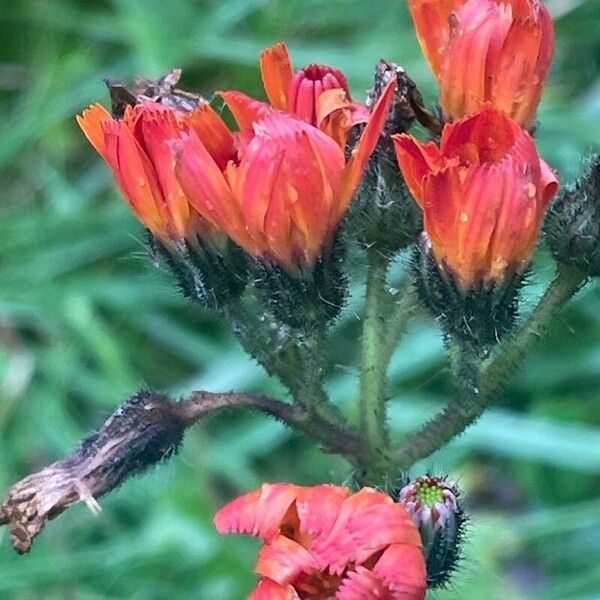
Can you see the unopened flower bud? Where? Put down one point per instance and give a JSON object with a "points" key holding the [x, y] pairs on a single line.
{"points": [[483, 191], [383, 213], [487, 51], [433, 504], [572, 225]]}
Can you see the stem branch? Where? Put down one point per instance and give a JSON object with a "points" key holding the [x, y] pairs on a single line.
{"points": [[477, 391], [372, 388]]}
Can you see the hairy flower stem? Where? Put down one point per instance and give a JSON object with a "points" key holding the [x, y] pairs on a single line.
{"points": [[299, 366], [400, 313], [477, 389], [373, 380]]}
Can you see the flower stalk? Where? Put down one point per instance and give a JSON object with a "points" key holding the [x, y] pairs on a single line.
{"points": [[373, 378], [479, 385]]}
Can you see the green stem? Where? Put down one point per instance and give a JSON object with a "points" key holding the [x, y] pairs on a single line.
{"points": [[567, 282], [400, 313], [477, 392], [372, 388]]}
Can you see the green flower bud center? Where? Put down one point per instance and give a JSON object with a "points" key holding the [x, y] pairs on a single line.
{"points": [[430, 494]]}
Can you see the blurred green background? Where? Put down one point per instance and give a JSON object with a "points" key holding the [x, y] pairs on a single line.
{"points": [[85, 319]]}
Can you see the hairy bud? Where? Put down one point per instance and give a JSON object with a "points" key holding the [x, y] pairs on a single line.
{"points": [[383, 212], [211, 278], [478, 317], [572, 226], [311, 299], [433, 505]]}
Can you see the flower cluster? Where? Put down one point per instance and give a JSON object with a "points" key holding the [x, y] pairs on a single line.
{"points": [[278, 186], [484, 189], [325, 542]]}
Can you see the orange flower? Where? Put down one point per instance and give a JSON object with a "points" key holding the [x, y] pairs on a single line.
{"points": [[283, 195], [318, 94], [136, 149], [483, 193], [496, 51], [325, 542]]}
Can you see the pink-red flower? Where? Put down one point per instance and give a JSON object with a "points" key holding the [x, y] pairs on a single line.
{"points": [[496, 51], [325, 542], [136, 149], [318, 94], [287, 185], [483, 193]]}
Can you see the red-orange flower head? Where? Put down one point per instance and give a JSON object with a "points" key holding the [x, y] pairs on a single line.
{"points": [[284, 191], [496, 51], [136, 149], [325, 542], [483, 193], [318, 94]]}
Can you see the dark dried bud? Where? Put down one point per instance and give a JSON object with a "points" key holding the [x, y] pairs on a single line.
{"points": [[383, 212], [572, 225], [162, 90], [407, 106], [144, 431], [433, 504]]}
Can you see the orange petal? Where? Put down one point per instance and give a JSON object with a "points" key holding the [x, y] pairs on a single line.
{"points": [[206, 188], [362, 584], [548, 181], [136, 177], [157, 129], [213, 133], [433, 30], [380, 525], [402, 568], [277, 73], [245, 110], [337, 546], [267, 589], [318, 508], [91, 121], [416, 161], [476, 38], [357, 164], [287, 186], [258, 513], [283, 560], [335, 115]]}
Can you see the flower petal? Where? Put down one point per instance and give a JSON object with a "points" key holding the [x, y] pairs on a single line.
{"points": [[277, 73], [157, 129], [402, 568], [416, 161], [318, 508], [205, 186], [377, 526], [362, 584], [91, 121], [245, 110], [357, 164], [267, 589], [287, 186], [136, 177], [213, 133], [259, 513], [337, 547], [433, 30], [283, 560]]}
